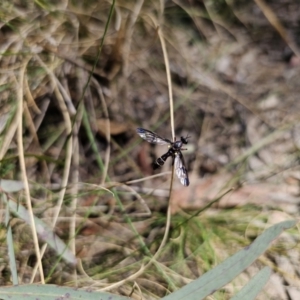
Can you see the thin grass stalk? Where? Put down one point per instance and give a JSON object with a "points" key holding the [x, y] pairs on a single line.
{"points": [[10, 133], [275, 22], [99, 51], [171, 100], [107, 132], [74, 189], [153, 258], [69, 151], [143, 248], [23, 169], [85, 117]]}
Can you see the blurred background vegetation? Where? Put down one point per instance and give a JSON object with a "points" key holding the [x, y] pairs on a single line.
{"points": [[77, 78]]}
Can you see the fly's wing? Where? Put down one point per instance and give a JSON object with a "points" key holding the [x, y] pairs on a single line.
{"points": [[180, 169], [152, 137]]}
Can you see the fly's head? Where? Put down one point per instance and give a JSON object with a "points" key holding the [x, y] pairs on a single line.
{"points": [[184, 140]]}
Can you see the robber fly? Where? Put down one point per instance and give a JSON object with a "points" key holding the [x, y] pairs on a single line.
{"points": [[174, 151]]}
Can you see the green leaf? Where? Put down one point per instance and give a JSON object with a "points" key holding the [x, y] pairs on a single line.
{"points": [[231, 267], [254, 286], [44, 232], [10, 186], [51, 292]]}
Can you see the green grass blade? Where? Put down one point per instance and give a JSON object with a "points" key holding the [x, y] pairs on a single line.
{"points": [[10, 186], [231, 267], [254, 286], [44, 232], [10, 244], [50, 292]]}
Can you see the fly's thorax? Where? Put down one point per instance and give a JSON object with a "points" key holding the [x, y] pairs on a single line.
{"points": [[177, 145]]}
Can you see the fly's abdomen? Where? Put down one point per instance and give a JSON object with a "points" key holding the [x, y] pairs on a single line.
{"points": [[161, 160]]}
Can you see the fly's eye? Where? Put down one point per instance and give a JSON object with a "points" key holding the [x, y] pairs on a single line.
{"points": [[184, 140]]}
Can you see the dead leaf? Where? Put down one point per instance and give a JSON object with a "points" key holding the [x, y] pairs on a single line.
{"points": [[206, 190], [115, 127]]}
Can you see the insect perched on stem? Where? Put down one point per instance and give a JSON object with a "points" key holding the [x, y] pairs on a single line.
{"points": [[174, 151]]}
